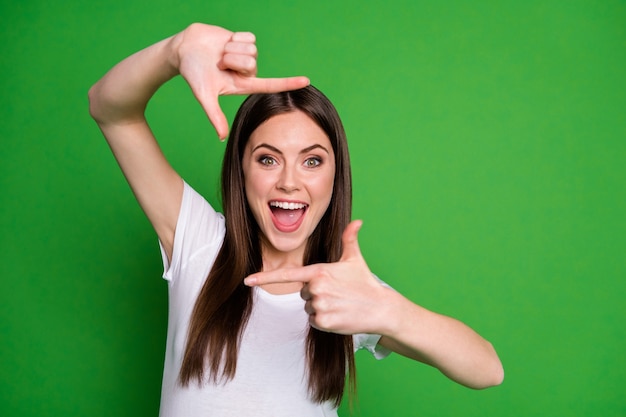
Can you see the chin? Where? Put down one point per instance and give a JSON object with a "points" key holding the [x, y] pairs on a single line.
{"points": [[286, 244]]}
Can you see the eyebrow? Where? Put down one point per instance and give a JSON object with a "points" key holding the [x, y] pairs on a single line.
{"points": [[275, 149]]}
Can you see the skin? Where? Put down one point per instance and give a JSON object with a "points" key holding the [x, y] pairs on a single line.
{"points": [[341, 297], [214, 61], [288, 159]]}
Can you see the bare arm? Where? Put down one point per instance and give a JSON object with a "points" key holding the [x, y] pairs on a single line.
{"points": [[344, 297], [117, 103], [440, 341], [213, 61]]}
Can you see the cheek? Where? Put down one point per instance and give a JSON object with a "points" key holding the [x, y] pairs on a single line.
{"points": [[324, 187], [329, 182], [258, 186], [249, 177], [258, 183]]}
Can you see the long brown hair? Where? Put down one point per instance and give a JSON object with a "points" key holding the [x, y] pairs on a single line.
{"points": [[224, 304]]}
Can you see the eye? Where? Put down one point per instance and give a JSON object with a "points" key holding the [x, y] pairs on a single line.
{"points": [[312, 162], [267, 161]]}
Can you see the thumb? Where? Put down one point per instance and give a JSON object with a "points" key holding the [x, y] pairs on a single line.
{"points": [[350, 241]]}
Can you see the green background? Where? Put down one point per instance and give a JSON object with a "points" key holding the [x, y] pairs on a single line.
{"points": [[488, 142]]}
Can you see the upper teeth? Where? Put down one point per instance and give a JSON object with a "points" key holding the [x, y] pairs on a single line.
{"points": [[287, 206]]}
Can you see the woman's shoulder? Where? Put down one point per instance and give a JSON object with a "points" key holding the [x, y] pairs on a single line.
{"points": [[200, 230], [198, 219]]}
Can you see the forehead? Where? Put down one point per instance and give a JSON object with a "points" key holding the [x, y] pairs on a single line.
{"points": [[291, 131]]}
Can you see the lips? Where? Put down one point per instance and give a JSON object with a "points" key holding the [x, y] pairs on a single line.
{"points": [[287, 216]]}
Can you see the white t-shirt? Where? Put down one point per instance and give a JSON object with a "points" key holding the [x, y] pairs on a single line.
{"points": [[271, 365]]}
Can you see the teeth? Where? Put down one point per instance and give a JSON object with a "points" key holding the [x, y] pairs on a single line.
{"points": [[287, 206]]}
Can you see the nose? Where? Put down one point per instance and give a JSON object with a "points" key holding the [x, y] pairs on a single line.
{"points": [[288, 180]]}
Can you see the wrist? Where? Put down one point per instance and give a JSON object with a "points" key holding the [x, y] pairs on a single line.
{"points": [[173, 52], [395, 312]]}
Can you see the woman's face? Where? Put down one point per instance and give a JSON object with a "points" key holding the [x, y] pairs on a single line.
{"points": [[289, 171]]}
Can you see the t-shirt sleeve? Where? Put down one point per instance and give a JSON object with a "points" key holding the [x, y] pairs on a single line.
{"points": [[369, 342], [198, 226]]}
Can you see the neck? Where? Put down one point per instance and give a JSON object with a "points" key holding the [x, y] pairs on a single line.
{"points": [[274, 260]]}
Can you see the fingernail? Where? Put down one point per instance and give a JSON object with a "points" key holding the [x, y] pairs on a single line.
{"points": [[249, 281]]}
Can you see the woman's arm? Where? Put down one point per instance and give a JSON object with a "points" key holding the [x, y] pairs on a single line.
{"points": [[213, 61], [440, 341], [117, 103], [344, 297]]}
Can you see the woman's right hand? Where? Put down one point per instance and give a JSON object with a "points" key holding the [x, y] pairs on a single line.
{"points": [[215, 61]]}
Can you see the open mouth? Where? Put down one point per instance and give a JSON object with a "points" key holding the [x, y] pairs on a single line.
{"points": [[287, 216]]}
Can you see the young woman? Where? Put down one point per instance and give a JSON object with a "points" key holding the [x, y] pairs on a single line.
{"points": [[268, 302]]}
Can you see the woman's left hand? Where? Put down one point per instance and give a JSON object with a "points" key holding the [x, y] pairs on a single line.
{"points": [[344, 297], [341, 297]]}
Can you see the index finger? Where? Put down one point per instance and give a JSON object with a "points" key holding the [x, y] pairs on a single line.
{"points": [[301, 274], [274, 85]]}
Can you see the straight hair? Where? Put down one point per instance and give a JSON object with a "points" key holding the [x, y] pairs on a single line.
{"points": [[224, 304]]}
